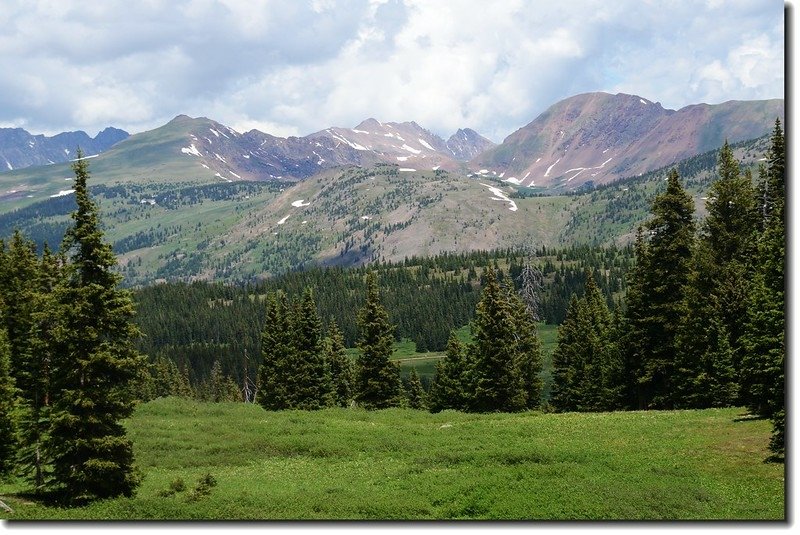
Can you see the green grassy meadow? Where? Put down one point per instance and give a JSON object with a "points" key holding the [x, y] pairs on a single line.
{"points": [[407, 464]]}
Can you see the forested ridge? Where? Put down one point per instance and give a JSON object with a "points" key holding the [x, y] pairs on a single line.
{"points": [[690, 316]]}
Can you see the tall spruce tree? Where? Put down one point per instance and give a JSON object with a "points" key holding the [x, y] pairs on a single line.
{"points": [[35, 370], [495, 380], [729, 235], [528, 348], [568, 360], [308, 375], [18, 282], [705, 373], [449, 387], [587, 368], [341, 367], [96, 359], [277, 351], [655, 299], [764, 342], [378, 383]]}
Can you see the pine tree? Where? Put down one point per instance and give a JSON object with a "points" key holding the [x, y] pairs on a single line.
{"points": [[763, 341], [277, 351], [448, 389], [705, 373], [587, 368], [568, 366], [340, 366], [415, 395], [92, 457], [8, 442], [378, 379], [495, 382], [308, 375], [528, 348], [603, 362], [219, 387], [35, 370], [18, 283], [655, 299], [728, 234]]}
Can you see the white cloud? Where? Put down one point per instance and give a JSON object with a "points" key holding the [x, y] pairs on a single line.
{"points": [[299, 67]]}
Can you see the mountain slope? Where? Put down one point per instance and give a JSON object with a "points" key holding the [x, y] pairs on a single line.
{"points": [[19, 148], [599, 138], [200, 150], [349, 216]]}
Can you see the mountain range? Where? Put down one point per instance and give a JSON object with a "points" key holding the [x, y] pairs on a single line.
{"points": [[593, 138], [19, 148], [194, 199]]}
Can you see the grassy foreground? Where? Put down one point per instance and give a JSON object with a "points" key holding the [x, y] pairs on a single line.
{"points": [[406, 464]]}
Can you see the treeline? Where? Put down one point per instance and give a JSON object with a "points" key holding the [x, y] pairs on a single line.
{"points": [[704, 323]]}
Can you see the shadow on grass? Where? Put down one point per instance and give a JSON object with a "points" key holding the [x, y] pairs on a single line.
{"points": [[750, 418], [776, 458]]}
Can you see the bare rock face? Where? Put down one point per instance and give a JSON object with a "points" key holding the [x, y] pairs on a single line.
{"points": [[600, 138], [466, 144]]}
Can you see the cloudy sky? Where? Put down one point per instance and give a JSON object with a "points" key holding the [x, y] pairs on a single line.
{"points": [[293, 67]]}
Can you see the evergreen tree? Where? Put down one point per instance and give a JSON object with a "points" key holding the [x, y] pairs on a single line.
{"points": [[604, 365], [448, 389], [35, 370], [763, 341], [340, 366], [705, 371], [277, 350], [219, 387], [587, 368], [566, 392], [378, 379], [495, 382], [729, 234], [728, 227], [8, 443], [415, 395], [18, 281], [655, 299], [528, 349], [96, 360], [308, 375]]}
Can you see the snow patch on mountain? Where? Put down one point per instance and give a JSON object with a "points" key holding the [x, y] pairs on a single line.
{"points": [[500, 196], [63, 193], [425, 144], [191, 149]]}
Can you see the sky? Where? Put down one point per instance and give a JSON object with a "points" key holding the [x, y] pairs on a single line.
{"points": [[293, 67]]}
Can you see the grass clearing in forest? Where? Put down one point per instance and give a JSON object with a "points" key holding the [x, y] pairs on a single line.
{"points": [[408, 464]]}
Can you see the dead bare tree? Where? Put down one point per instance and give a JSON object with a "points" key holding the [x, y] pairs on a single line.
{"points": [[531, 285]]}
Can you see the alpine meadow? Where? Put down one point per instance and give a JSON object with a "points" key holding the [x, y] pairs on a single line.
{"points": [[583, 321]]}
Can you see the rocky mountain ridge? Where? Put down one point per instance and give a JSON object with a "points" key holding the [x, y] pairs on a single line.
{"points": [[19, 148], [600, 138]]}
